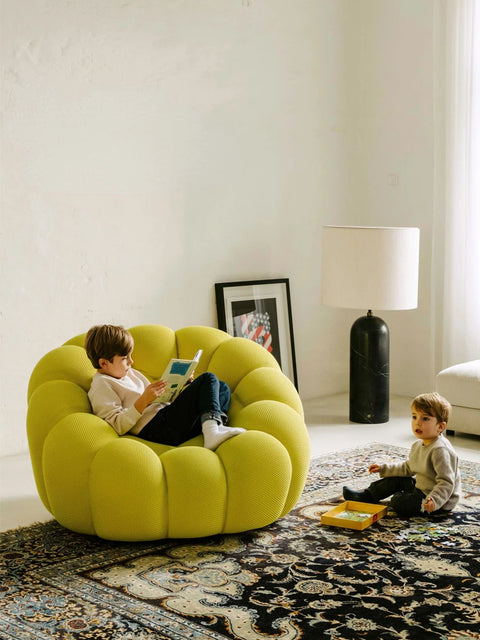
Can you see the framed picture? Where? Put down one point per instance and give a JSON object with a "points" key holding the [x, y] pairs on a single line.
{"points": [[260, 310]]}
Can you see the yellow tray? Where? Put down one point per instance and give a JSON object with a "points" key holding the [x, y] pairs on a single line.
{"points": [[354, 515]]}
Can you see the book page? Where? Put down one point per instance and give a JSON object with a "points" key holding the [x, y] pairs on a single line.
{"points": [[176, 376]]}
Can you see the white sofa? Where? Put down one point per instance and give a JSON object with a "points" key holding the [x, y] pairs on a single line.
{"points": [[460, 384]]}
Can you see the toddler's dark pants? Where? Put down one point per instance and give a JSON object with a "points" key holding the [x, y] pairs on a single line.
{"points": [[406, 498]]}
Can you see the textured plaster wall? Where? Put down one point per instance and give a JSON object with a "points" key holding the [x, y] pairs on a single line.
{"points": [[151, 148]]}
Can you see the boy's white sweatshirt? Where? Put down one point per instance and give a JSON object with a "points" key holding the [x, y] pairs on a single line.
{"points": [[113, 398]]}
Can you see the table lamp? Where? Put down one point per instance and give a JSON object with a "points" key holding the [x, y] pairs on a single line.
{"points": [[370, 268]]}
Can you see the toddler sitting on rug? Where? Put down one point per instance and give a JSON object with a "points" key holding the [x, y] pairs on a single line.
{"points": [[429, 481]]}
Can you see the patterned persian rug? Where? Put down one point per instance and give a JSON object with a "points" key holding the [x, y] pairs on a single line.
{"points": [[296, 579]]}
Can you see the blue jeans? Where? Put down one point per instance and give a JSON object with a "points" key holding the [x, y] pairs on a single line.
{"points": [[180, 421], [406, 498]]}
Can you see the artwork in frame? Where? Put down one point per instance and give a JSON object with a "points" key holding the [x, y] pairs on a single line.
{"points": [[260, 310]]}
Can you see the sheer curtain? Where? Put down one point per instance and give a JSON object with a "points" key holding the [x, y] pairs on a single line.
{"points": [[461, 277]]}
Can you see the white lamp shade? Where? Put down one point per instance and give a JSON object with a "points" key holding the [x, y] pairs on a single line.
{"points": [[370, 267]]}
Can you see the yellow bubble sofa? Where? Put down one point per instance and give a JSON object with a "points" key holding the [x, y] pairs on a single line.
{"points": [[127, 489]]}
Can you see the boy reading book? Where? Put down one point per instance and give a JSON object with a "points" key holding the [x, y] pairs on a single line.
{"points": [[125, 398]]}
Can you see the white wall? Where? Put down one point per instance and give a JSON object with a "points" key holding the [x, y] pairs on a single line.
{"points": [[151, 148], [390, 146]]}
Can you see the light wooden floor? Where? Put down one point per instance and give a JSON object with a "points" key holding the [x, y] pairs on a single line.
{"points": [[328, 426]]}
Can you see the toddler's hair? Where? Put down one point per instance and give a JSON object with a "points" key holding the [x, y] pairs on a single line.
{"points": [[433, 404], [107, 341]]}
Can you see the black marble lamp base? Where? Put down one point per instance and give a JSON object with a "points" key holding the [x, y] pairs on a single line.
{"points": [[369, 370]]}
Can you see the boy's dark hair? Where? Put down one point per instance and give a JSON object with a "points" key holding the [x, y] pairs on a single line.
{"points": [[107, 341], [433, 404]]}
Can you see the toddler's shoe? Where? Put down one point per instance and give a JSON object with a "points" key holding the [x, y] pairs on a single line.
{"points": [[359, 496]]}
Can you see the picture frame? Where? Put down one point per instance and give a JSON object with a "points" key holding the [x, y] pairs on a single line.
{"points": [[260, 310]]}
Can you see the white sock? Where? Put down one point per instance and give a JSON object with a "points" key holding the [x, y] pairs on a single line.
{"points": [[214, 434]]}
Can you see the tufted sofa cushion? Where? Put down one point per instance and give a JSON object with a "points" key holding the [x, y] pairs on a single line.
{"points": [[124, 488], [460, 384]]}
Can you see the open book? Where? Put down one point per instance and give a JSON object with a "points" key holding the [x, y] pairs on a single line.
{"points": [[176, 376]]}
